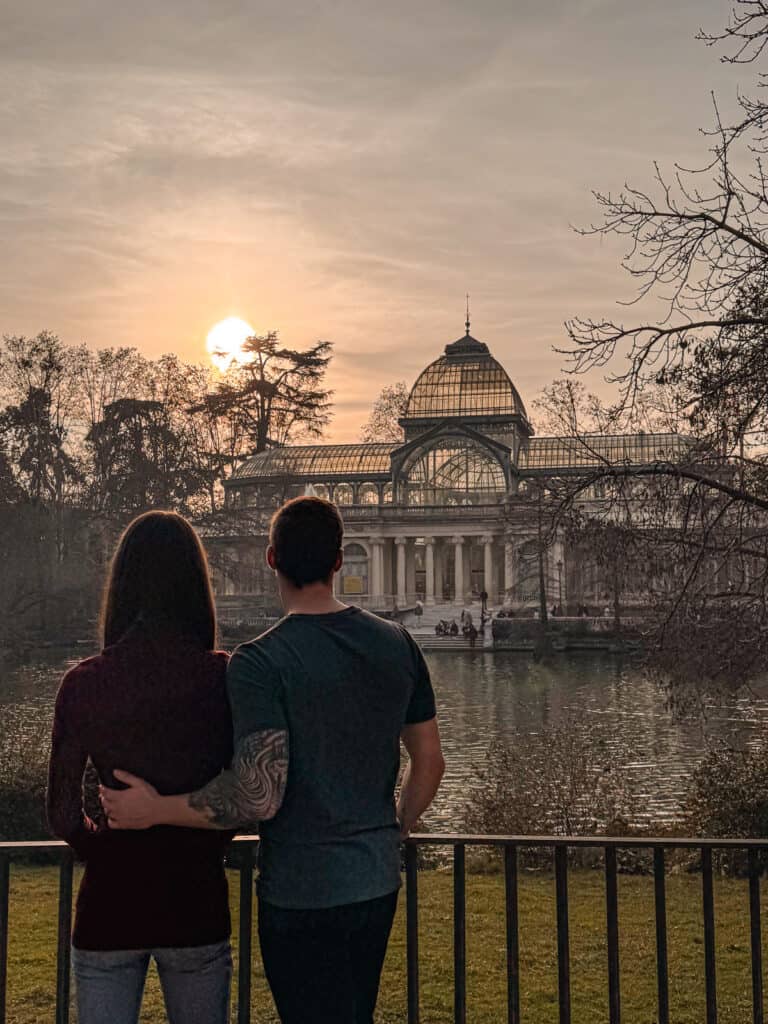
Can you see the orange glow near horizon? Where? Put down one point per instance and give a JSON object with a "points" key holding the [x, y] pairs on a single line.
{"points": [[225, 342]]}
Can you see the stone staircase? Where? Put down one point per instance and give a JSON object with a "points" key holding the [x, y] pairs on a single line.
{"points": [[423, 628], [438, 612], [449, 644]]}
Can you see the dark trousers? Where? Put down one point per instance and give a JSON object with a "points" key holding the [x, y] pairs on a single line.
{"points": [[324, 966]]}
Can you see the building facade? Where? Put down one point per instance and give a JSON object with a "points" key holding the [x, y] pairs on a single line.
{"points": [[445, 514]]}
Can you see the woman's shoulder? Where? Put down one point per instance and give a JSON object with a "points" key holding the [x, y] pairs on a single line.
{"points": [[218, 660], [88, 668], [211, 665], [81, 677]]}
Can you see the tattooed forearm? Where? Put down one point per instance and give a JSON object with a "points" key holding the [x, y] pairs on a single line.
{"points": [[253, 788]]}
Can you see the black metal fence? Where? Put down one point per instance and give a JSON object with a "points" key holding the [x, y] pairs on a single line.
{"points": [[510, 846]]}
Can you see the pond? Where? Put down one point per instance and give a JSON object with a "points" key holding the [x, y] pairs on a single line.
{"points": [[484, 697]]}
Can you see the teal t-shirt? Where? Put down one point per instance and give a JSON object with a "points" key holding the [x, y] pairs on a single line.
{"points": [[343, 685]]}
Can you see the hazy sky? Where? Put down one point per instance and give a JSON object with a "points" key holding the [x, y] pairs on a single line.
{"points": [[342, 169]]}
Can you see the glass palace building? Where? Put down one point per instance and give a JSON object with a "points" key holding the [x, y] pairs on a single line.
{"points": [[445, 513]]}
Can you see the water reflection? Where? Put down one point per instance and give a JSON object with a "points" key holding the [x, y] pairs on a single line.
{"points": [[484, 697]]}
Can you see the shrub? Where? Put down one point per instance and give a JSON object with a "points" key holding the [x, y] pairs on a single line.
{"points": [[23, 780], [23, 772], [564, 780], [728, 798]]}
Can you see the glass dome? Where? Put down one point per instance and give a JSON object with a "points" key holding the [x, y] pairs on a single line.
{"points": [[466, 382]]}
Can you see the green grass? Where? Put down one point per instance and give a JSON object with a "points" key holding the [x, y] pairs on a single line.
{"points": [[33, 914]]}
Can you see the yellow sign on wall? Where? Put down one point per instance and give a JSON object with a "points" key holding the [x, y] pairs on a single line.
{"points": [[353, 585]]}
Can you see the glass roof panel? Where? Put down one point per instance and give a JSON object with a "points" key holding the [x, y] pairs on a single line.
{"points": [[318, 460], [592, 450]]}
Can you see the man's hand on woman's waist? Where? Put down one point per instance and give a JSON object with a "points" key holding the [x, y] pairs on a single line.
{"points": [[250, 791]]}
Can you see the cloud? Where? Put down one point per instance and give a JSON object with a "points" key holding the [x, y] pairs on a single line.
{"points": [[341, 170]]}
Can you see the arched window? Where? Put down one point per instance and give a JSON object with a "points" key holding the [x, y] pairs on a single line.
{"points": [[320, 491], [387, 494], [344, 494], [354, 571], [457, 471], [368, 494]]}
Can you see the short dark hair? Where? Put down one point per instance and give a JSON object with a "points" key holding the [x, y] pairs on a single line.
{"points": [[159, 576], [306, 536]]}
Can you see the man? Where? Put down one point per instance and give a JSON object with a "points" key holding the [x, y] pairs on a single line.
{"points": [[319, 704]]}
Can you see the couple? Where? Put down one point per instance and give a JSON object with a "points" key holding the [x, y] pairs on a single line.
{"points": [[298, 734]]}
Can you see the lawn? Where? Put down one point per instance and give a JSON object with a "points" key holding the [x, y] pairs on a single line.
{"points": [[31, 967]]}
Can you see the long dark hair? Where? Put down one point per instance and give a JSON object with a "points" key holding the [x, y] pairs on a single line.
{"points": [[159, 577]]}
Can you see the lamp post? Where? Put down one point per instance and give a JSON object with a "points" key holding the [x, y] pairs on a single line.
{"points": [[559, 587]]}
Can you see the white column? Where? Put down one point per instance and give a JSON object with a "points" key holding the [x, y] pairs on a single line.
{"points": [[429, 570], [458, 595], [375, 587], [440, 573], [410, 573], [509, 569], [387, 587], [400, 543], [488, 566]]}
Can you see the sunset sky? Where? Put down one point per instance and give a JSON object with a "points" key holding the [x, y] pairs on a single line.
{"points": [[343, 170]]}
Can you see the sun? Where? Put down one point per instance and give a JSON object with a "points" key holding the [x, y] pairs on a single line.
{"points": [[225, 342]]}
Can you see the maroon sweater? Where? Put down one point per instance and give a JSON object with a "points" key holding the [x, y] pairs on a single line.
{"points": [[157, 708]]}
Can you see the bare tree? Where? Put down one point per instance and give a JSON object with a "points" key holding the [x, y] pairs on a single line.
{"points": [[383, 423], [697, 242]]}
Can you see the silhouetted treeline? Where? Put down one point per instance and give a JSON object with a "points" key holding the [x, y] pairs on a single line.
{"points": [[90, 438]]}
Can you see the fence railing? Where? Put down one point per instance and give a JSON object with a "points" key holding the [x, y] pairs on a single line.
{"points": [[244, 862]]}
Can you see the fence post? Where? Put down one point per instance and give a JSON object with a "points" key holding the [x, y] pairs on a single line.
{"points": [[563, 943], [245, 938], [459, 936], [612, 931], [63, 954], [4, 901], [710, 969], [755, 935], [660, 901], [412, 929], [513, 941]]}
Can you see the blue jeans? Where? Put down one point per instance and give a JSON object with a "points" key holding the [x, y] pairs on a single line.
{"points": [[195, 982]]}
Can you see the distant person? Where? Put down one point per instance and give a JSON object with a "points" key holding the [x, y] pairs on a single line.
{"points": [[472, 634], [153, 701], [454, 628], [418, 610], [320, 703]]}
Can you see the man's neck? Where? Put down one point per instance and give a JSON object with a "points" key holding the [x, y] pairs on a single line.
{"points": [[315, 599]]}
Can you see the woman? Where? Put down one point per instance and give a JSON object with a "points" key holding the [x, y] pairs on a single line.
{"points": [[154, 702]]}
